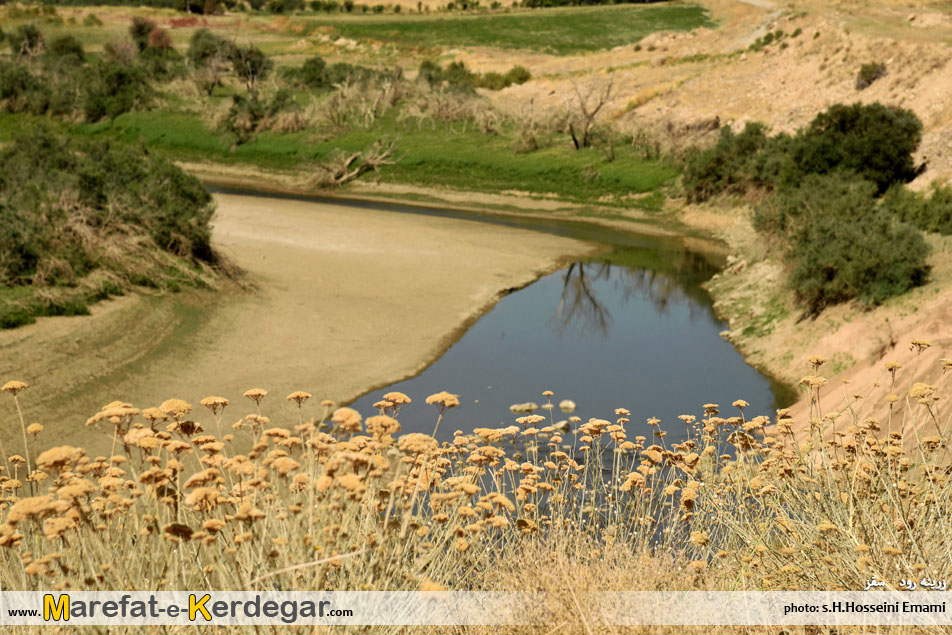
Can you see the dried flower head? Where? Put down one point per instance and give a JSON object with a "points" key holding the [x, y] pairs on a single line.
{"points": [[14, 387], [215, 404], [443, 399], [299, 396], [175, 408], [256, 395]]}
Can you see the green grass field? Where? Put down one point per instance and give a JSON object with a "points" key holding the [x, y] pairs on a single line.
{"points": [[443, 157], [558, 31]]}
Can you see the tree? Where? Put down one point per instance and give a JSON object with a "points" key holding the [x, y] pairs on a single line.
{"points": [[250, 65], [139, 30], [206, 46], [160, 39], [595, 96], [26, 41], [840, 244], [66, 48], [874, 141]]}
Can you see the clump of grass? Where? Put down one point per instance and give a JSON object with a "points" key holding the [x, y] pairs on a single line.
{"points": [[336, 501], [869, 73]]}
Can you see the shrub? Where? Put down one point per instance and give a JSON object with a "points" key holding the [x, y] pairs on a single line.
{"points": [[250, 64], [875, 141], [493, 81], [205, 46], [841, 245], [312, 73], [112, 89], [458, 76], [518, 75], [26, 40], [869, 73], [70, 207], [66, 48], [737, 163], [342, 72], [930, 213], [160, 39], [431, 72], [139, 31]]}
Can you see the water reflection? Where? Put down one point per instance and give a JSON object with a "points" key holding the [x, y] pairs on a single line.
{"points": [[632, 329], [579, 307]]}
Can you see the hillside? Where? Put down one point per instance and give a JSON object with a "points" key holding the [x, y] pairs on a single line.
{"points": [[671, 87]]}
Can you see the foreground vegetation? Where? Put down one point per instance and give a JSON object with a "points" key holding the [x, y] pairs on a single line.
{"points": [[221, 501]]}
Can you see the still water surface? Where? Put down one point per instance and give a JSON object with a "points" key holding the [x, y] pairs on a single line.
{"points": [[630, 329], [633, 329]]}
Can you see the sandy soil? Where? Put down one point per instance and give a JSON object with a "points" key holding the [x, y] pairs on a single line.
{"points": [[345, 299]]}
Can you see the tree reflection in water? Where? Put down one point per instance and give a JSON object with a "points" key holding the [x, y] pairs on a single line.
{"points": [[579, 306]]}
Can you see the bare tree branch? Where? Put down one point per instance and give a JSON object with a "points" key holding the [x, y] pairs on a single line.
{"points": [[590, 103]]}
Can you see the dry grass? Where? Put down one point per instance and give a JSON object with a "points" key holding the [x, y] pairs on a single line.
{"points": [[336, 501]]}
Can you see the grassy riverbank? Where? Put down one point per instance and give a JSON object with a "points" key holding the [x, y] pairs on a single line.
{"points": [[440, 156]]}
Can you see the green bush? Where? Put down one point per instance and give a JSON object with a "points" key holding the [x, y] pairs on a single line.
{"points": [[69, 207], [875, 141], [139, 31], [518, 75], [737, 163], [840, 244], [251, 64], [112, 89], [205, 46], [25, 40], [430, 72], [66, 48], [493, 81], [869, 73], [312, 73], [21, 91], [930, 213]]}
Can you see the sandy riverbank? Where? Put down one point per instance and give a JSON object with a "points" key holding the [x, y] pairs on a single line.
{"points": [[345, 299]]}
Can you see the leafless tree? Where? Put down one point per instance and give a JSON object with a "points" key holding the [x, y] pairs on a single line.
{"points": [[590, 102], [579, 303]]}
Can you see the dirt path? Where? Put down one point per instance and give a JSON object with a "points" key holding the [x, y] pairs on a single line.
{"points": [[346, 299]]}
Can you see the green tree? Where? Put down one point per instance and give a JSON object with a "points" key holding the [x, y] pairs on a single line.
{"points": [[840, 244], [27, 40], [205, 46], [139, 30], [66, 48], [874, 141], [251, 65]]}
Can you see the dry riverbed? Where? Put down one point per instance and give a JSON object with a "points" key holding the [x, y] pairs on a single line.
{"points": [[345, 299]]}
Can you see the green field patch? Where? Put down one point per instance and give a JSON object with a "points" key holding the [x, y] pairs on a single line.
{"points": [[451, 156], [558, 31]]}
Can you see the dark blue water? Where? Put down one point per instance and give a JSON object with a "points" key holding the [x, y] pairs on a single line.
{"points": [[603, 335]]}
